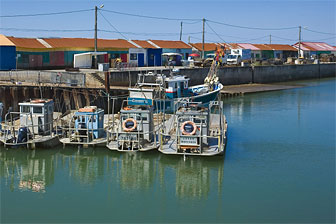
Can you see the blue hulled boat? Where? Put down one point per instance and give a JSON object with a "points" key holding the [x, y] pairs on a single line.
{"points": [[168, 89]]}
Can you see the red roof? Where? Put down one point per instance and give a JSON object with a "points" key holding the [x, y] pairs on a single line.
{"points": [[26, 42], [171, 44], [87, 43], [315, 46], [263, 47], [143, 43], [230, 46], [281, 47], [207, 46]]}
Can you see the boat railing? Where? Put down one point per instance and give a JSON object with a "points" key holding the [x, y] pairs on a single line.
{"points": [[73, 132], [140, 133], [11, 129], [165, 137]]}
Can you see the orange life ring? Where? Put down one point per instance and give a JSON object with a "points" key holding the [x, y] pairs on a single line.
{"points": [[184, 132], [131, 128]]}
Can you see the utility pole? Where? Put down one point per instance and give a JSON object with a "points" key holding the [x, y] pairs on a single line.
{"points": [[299, 53], [95, 37], [270, 38], [181, 31], [189, 40], [203, 38]]}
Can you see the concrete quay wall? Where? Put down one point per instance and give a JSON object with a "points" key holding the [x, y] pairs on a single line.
{"points": [[241, 75]]}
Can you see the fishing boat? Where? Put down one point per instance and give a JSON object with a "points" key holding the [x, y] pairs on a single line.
{"points": [[195, 129], [174, 87], [85, 128], [135, 128], [33, 126]]}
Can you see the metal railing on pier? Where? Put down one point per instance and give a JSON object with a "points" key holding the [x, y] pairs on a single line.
{"points": [[44, 77]]}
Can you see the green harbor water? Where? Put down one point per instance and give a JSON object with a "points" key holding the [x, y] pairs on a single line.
{"points": [[279, 166]]}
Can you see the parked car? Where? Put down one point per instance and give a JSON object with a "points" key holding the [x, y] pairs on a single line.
{"points": [[172, 59], [234, 59]]}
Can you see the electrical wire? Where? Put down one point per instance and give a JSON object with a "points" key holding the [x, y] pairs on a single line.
{"points": [[148, 34], [150, 17], [91, 30], [44, 30], [283, 38], [314, 31], [47, 14], [329, 38], [112, 26], [207, 40], [251, 28], [215, 32], [242, 39]]}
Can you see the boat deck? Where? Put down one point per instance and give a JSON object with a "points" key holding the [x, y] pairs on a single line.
{"points": [[94, 142], [145, 147]]}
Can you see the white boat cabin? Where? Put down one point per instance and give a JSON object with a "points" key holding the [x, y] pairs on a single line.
{"points": [[37, 115]]}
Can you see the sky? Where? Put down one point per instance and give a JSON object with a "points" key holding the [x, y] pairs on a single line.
{"points": [[245, 16]]}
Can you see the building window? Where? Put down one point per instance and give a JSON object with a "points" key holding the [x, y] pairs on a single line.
{"points": [[115, 56], [25, 109], [37, 110], [133, 56], [257, 55]]}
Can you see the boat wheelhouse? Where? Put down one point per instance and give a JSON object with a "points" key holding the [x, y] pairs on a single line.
{"points": [[32, 126], [195, 129], [136, 127], [86, 127]]}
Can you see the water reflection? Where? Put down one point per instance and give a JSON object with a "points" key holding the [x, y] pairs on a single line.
{"points": [[27, 171], [35, 170], [195, 176]]}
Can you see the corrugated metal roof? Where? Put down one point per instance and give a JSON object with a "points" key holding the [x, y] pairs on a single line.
{"points": [[87, 43], [318, 46], [26, 42], [4, 41], [281, 47], [207, 46], [248, 46], [171, 44], [263, 47], [143, 43]]}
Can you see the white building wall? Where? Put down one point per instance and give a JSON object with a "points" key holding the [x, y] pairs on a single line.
{"points": [[137, 51]]}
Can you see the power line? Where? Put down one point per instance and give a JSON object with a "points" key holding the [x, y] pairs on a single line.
{"points": [[314, 31], [42, 30], [112, 25], [150, 17], [207, 40], [236, 37], [215, 32], [47, 14], [252, 28], [329, 38], [283, 38], [148, 34], [90, 30]]}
